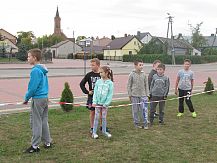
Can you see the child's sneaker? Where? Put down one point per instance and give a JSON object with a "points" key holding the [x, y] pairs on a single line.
{"points": [[146, 127], [95, 136], [32, 150], [47, 146], [161, 123], [107, 134], [91, 130], [107, 129], [194, 115], [137, 126], [180, 114]]}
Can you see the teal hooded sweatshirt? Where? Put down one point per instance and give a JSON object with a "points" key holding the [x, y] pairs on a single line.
{"points": [[103, 92], [38, 84]]}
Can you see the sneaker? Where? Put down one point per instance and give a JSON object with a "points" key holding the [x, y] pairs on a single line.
{"points": [[161, 123], [194, 115], [91, 130], [137, 126], [32, 150], [180, 114], [107, 134], [156, 114], [107, 129], [47, 146], [95, 136], [146, 127]]}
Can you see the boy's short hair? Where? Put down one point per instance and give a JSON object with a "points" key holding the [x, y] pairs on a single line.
{"points": [[187, 60], [96, 60], [137, 61], [156, 61], [36, 53], [161, 65]]}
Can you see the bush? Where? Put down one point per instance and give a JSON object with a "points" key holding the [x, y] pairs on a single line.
{"points": [[22, 53], [67, 96], [167, 59], [209, 86]]}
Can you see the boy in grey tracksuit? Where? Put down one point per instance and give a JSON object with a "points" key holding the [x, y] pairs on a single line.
{"points": [[158, 91], [137, 88]]}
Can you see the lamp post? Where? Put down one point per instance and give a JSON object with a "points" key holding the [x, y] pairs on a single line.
{"points": [[85, 58]]}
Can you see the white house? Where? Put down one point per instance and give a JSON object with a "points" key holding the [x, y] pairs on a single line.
{"points": [[144, 37], [64, 49]]}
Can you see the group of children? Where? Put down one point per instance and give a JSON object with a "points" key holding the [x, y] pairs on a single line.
{"points": [[157, 85], [141, 91]]}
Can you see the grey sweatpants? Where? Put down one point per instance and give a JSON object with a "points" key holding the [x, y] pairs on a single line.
{"points": [[39, 122], [140, 105]]}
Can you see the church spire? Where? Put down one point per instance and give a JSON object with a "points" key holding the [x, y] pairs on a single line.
{"points": [[57, 12]]}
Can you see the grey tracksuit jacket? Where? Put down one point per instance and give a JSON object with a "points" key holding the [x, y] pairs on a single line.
{"points": [[159, 86], [137, 85]]}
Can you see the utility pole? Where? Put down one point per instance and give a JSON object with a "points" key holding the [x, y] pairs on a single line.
{"points": [[170, 27]]}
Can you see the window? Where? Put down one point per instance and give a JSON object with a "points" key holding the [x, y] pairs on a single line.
{"points": [[130, 53]]}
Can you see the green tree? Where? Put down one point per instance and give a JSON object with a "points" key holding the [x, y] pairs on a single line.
{"points": [[80, 38], [25, 38], [152, 48], [197, 38], [67, 96], [209, 86], [48, 41], [22, 52]]}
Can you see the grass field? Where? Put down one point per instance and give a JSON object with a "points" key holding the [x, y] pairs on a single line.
{"points": [[6, 60], [181, 140]]}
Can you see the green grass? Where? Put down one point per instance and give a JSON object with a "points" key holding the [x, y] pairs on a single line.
{"points": [[181, 140], [5, 60]]}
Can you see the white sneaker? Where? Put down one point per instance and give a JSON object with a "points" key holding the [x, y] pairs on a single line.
{"points": [[108, 135], [95, 136], [146, 127]]}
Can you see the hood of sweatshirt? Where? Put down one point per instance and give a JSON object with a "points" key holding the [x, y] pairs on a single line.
{"points": [[42, 67]]}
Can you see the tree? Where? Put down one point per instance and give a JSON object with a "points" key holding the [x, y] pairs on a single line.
{"points": [[112, 37], [67, 96], [25, 38], [197, 38], [48, 41], [152, 48], [22, 53], [80, 38], [209, 86]]}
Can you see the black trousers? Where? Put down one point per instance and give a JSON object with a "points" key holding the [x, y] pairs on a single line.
{"points": [[187, 101]]}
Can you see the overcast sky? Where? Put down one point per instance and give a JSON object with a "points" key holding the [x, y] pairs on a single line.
{"points": [[108, 17]]}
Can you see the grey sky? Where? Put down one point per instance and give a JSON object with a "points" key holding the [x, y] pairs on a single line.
{"points": [[107, 17]]}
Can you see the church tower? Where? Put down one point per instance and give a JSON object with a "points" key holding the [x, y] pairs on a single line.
{"points": [[57, 26]]}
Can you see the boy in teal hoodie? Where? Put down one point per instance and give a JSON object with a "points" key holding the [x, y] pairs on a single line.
{"points": [[38, 91]]}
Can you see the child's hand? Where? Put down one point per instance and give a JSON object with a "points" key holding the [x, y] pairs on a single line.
{"points": [[93, 105], [130, 98], [90, 92], [25, 102], [176, 92]]}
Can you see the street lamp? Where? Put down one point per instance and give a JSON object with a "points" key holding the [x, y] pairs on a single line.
{"points": [[85, 57]]}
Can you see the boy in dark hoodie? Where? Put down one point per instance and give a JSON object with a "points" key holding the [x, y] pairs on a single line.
{"points": [[150, 77], [159, 90], [38, 91]]}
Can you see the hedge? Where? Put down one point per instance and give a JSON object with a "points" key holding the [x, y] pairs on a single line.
{"points": [[167, 59]]}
